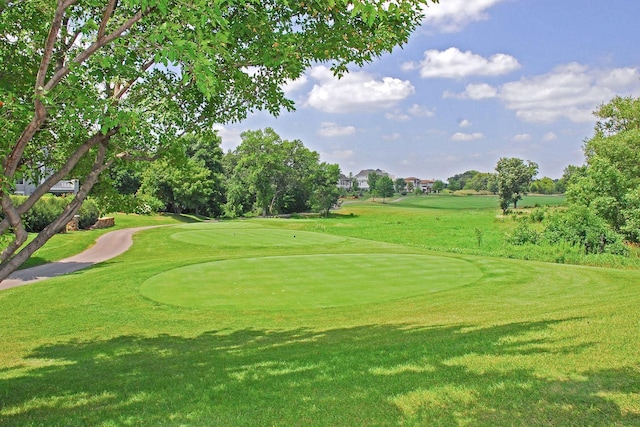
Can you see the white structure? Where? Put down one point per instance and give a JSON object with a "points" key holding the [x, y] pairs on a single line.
{"points": [[363, 177], [65, 186]]}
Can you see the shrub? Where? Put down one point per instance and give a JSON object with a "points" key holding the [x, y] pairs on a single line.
{"points": [[581, 226], [43, 212], [89, 214], [523, 234]]}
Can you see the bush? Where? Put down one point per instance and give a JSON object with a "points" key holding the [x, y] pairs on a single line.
{"points": [[581, 226], [89, 214], [49, 207], [523, 234]]}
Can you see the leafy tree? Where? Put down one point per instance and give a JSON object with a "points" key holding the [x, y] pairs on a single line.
{"points": [[135, 76], [568, 173], [543, 185], [608, 183], [400, 185], [481, 181], [458, 182], [514, 177], [372, 180], [384, 187], [269, 174], [438, 185], [325, 192]]}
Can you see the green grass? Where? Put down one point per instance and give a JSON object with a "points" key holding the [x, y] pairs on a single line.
{"points": [[518, 343]]}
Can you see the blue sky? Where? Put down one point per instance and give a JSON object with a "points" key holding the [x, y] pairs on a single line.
{"points": [[479, 80]]}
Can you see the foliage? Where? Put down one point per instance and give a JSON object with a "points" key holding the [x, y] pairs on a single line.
{"points": [[459, 181], [325, 193], [400, 185], [83, 85], [583, 227], [384, 187], [48, 208], [608, 183], [372, 181], [192, 181], [88, 213], [438, 186], [523, 234], [481, 182], [513, 179], [270, 175], [544, 185]]}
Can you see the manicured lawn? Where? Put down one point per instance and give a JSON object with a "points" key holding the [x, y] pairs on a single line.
{"points": [[368, 331]]}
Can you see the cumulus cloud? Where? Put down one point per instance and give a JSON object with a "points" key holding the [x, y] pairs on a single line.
{"points": [[294, 85], [571, 91], [550, 136], [330, 130], [415, 110], [453, 15], [464, 123], [522, 137], [455, 64], [230, 137], [475, 91], [459, 136], [355, 92]]}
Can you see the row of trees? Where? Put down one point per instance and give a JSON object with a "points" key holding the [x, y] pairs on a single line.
{"points": [[487, 181], [264, 175]]}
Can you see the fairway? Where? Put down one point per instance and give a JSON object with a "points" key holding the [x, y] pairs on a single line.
{"points": [[247, 234], [307, 281]]}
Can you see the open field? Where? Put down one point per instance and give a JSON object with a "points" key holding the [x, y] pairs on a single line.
{"points": [[351, 322]]}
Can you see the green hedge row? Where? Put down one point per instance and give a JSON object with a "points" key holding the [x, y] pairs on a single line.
{"points": [[48, 208]]}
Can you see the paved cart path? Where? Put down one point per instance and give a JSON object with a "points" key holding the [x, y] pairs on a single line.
{"points": [[106, 247]]}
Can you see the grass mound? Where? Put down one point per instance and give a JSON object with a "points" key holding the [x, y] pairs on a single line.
{"points": [[307, 281]]}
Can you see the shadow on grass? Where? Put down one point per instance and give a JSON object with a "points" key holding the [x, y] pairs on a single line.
{"points": [[370, 375]]}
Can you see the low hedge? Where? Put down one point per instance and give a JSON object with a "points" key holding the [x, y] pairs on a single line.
{"points": [[49, 207]]}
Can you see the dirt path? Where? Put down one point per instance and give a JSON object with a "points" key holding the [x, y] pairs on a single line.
{"points": [[106, 247]]}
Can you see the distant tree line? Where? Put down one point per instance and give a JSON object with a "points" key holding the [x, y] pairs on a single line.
{"points": [[264, 175]]}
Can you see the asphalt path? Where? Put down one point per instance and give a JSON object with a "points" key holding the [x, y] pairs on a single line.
{"points": [[106, 247]]}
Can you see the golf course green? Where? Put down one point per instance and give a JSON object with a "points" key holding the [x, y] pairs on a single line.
{"points": [[306, 281]]}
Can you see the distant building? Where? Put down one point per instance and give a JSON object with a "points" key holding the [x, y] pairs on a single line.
{"points": [[345, 182], [65, 186], [363, 177]]}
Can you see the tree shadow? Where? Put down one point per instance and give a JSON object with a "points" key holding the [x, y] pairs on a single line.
{"points": [[368, 375]]}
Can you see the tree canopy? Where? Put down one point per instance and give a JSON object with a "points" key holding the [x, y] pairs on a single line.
{"points": [[83, 84], [610, 181], [513, 177]]}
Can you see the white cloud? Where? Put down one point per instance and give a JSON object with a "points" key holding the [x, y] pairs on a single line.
{"points": [[330, 130], [464, 123], [455, 64], [414, 111], [230, 137], [453, 15], [421, 111], [393, 137], [522, 137], [355, 92], [570, 91], [294, 85], [475, 91], [459, 136], [397, 115], [550, 136]]}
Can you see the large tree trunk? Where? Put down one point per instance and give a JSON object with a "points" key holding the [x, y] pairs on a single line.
{"points": [[12, 260]]}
